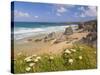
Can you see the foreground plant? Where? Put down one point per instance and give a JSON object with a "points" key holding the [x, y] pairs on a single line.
{"points": [[82, 57]]}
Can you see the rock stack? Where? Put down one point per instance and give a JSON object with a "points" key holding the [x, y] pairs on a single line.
{"points": [[68, 31]]}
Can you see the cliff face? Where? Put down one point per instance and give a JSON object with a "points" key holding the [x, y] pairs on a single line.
{"points": [[91, 27]]}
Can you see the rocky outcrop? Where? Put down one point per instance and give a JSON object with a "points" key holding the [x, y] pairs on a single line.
{"points": [[29, 40], [68, 31], [37, 40], [81, 26], [90, 26], [91, 38], [49, 37]]}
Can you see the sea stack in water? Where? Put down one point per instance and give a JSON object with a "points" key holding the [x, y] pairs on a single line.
{"points": [[68, 31]]}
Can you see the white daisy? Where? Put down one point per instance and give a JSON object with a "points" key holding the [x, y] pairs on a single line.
{"points": [[51, 57], [28, 69], [28, 59], [80, 57], [38, 58], [70, 61], [73, 50], [35, 60], [31, 64], [67, 51]]}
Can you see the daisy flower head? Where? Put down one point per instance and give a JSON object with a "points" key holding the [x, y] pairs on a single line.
{"points": [[80, 57], [28, 59], [70, 61], [39, 58], [51, 57], [28, 69], [35, 60], [67, 51], [31, 64], [73, 50]]}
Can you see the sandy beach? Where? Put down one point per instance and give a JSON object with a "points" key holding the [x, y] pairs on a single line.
{"points": [[29, 46]]}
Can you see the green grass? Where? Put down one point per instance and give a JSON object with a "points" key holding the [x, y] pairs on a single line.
{"points": [[59, 62]]}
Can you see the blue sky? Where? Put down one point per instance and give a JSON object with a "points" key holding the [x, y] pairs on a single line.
{"points": [[44, 12]]}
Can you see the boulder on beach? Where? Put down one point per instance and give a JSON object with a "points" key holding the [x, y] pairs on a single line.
{"points": [[49, 37], [29, 40], [81, 26], [37, 40], [68, 31], [53, 41]]}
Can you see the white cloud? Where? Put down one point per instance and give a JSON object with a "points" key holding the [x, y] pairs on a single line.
{"points": [[21, 14], [90, 11], [58, 14], [36, 16], [82, 15], [61, 10], [81, 8]]}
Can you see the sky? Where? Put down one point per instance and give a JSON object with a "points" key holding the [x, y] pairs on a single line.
{"points": [[47, 12]]}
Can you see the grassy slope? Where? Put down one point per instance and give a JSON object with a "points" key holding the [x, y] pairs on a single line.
{"points": [[59, 63]]}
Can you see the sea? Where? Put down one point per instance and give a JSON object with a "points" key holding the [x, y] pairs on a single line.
{"points": [[21, 30]]}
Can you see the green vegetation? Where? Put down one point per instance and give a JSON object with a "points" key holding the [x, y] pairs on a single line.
{"points": [[77, 58]]}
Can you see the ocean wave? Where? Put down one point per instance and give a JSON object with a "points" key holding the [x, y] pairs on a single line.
{"points": [[21, 32], [26, 30]]}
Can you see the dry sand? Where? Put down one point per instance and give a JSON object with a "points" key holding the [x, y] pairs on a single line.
{"points": [[31, 47]]}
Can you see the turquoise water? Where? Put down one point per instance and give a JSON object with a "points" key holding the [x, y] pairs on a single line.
{"points": [[27, 29]]}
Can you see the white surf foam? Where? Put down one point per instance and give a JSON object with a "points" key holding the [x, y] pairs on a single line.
{"points": [[20, 33]]}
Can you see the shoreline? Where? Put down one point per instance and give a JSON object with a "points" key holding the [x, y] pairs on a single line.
{"points": [[29, 46], [31, 32]]}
